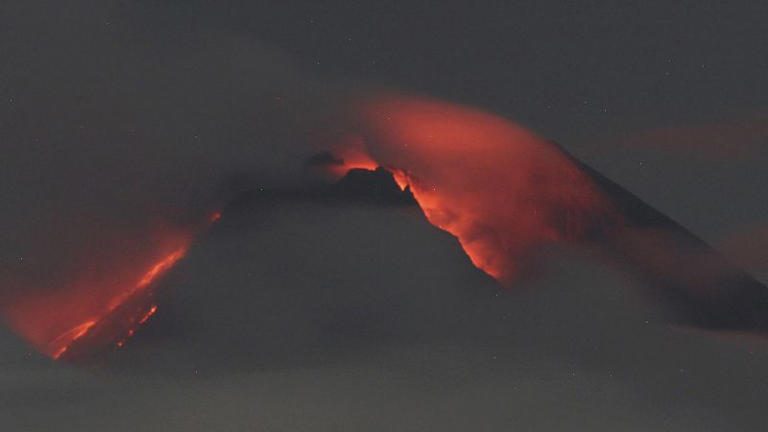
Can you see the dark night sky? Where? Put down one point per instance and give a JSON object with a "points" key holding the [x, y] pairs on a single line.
{"points": [[571, 70], [110, 109]]}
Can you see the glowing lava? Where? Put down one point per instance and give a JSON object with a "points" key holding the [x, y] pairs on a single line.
{"points": [[149, 313], [161, 267], [499, 188], [141, 321], [60, 345], [108, 300]]}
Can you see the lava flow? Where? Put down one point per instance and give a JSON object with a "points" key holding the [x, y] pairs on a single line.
{"points": [[105, 304], [497, 187], [62, 344]]}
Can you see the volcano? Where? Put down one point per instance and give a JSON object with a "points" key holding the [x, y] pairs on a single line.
{"points": [[698, 285], [503, 192], [692, 281], [644, 243]]}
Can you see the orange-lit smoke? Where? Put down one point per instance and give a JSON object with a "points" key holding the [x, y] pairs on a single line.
{"points": [[500, 189]]}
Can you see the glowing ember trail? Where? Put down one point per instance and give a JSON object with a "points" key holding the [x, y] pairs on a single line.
{"points": [[149, 313], [161, 267], [63, 341], [107, 301], [141, 321], [61, 344], [500, 189]]}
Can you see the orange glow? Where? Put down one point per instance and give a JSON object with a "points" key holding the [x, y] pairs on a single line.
{"points": [[149, 313], [499, 188], [107, 300], [62, 343], [351, 151], [161, 267], [53, 322], [141, 321]]}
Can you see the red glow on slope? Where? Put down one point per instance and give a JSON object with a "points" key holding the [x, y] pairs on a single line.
{"points": [[352, 154], [63, 342], [139, 322], [500, 189], [149, 313], [107, 300], [59, 345], [160, 267]]}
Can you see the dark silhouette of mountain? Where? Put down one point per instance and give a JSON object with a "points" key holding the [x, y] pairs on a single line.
{"points": [[698, 285], [372, 186], [687, 278]]}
